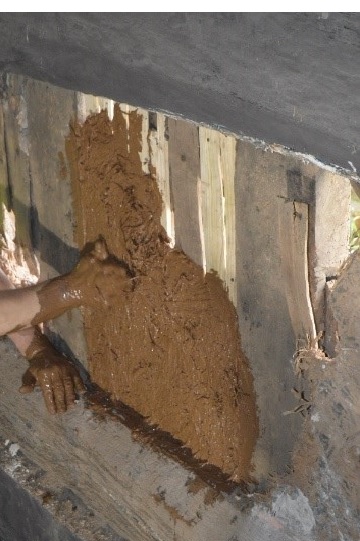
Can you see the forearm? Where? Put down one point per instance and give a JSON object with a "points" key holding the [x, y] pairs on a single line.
{"points": [[17, 309], [23, 339], [55, 297], [96, 278], [26, 307]]}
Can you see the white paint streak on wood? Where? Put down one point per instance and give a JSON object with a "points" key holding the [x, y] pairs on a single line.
{"points": [[159, 157], [105, 104], [82, 107]]}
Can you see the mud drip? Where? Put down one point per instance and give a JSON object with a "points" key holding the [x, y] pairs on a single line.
{"points": [[170, 349]]}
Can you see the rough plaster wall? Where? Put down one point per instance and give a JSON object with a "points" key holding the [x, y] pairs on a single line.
{"points": [[290, 78]]}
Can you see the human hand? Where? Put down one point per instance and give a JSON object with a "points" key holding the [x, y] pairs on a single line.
{"points": [[56, 377], [99, 276]]}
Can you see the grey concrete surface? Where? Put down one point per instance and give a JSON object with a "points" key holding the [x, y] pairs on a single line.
{"points": [[289, 78]]}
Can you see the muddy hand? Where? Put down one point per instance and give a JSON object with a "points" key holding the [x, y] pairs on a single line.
{"points": [[56, 377], [99, 276]]}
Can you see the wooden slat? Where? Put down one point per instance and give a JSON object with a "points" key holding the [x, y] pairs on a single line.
{"points": [[184, 164], [217, 201], [329, 233], [159, 158], [227, 169], [212, 201], [145, 148], [16, 195], [17, 154], [144, 143], [50, 110], [293, 246]]}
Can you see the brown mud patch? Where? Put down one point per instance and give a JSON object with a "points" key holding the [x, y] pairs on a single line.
{"points": [[170, 349]]}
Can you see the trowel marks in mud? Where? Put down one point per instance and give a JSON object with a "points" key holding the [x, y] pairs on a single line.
{"points": [[170, 348]]}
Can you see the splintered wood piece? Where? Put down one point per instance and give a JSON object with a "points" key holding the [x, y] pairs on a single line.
{"points": [[293, 245]]}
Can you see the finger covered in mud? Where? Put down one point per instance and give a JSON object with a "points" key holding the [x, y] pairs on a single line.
{"points": [[57, 378]]}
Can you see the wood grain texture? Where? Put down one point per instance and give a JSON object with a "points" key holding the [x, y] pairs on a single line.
{"points": [[329, 230], [217, 202], [184, 165], [15, 110], [227, 160], [159, 158], [267, 273], [50, 111], [293, 244]]}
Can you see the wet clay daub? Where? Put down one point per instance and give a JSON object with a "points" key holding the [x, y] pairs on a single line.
{"points": [[170, 349]]}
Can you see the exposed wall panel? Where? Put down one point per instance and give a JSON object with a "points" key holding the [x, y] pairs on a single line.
{"points": [[267, 271]]}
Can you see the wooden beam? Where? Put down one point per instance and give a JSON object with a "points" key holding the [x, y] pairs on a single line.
{"points": [[271, 259]]}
